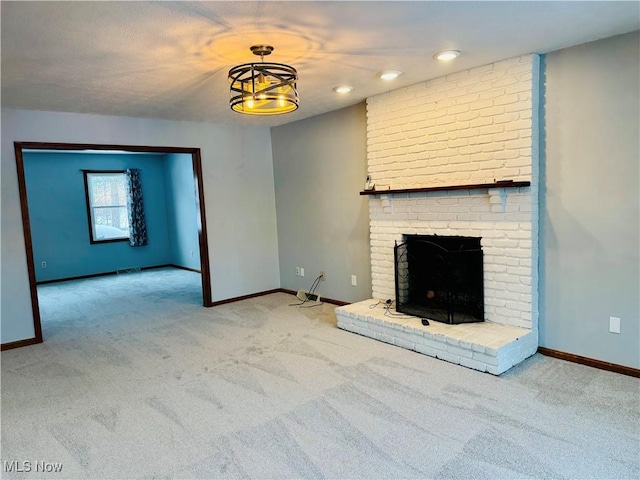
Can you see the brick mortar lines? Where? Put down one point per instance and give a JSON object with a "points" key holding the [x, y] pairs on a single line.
{"points": [[475, 127], [469, 128]]}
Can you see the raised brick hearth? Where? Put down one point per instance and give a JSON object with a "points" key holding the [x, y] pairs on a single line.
{"points": [[487, 347], [473, 127]]}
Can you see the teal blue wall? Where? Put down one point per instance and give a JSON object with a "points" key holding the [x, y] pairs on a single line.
{"points": [[182, 215], [58, 214]]}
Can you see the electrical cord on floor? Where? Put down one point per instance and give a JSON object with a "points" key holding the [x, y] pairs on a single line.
{"points": [[389, 313], [316, 282], [312, 290], [387, 303], [387, 309], [317, 304], [300, 303]]}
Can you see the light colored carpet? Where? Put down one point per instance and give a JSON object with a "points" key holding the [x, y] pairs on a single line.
{"points": [[137, 380]]}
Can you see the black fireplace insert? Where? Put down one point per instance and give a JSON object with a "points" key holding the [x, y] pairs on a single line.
{"points": [[440, 278]]}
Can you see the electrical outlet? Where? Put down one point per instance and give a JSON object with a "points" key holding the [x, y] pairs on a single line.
{"points": [[44, 264], [298, 271], [354, 280], [322, 276], [614, 324], [301, 272]]}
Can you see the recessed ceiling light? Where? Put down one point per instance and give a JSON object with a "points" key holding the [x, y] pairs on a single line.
{"points": [[343, 89], [389, 74], [447, 55]]}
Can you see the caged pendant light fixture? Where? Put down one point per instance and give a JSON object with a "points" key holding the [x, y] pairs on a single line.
{"points": [[263, 88]]}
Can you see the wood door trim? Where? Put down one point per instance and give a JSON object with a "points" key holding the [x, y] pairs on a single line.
{"points": [[196, 164]]}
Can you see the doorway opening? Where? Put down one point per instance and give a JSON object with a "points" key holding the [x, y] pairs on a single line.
{"points": [[196, 166]]}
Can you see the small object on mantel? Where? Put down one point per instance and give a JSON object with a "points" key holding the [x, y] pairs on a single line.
{"points": [[368, 185], [504, 181], [425, 321]]}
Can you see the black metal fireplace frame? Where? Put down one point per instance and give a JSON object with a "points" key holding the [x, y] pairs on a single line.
{"points": [[453, 300]]}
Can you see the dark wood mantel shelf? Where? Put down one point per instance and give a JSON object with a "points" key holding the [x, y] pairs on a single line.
{"points": [[499, 184]]}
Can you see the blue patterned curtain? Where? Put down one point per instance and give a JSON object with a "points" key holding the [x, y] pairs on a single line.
{"points": [[135, 209]]}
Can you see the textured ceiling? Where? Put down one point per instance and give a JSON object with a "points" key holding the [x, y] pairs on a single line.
{"points": [[170, 59]]}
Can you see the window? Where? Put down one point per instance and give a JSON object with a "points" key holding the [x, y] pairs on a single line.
{"points": [[106, 206]]}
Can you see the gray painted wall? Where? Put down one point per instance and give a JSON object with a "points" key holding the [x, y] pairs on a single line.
{"points": [[589, 262], [182, 216], [323, 223], [238, 189]]}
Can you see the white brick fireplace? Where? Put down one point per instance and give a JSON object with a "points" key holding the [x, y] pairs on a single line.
{"points": [[475, 127]]}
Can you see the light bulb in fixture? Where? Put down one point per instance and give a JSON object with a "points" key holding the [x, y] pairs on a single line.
{"points": [[263, 83], [249, 103], [342, 89], [447, 55], [390, 74]]}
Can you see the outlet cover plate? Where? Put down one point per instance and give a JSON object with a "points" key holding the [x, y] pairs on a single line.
{"points": [[614, 324]]}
